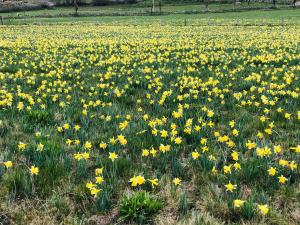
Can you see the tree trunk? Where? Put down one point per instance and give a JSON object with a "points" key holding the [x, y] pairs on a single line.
{"points": [[159, 5], [76, 7], [206, 5], [153, 6]]}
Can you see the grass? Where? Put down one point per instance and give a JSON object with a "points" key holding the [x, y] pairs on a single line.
{"points": [[256, 17], [166, 105], [137, 8]]}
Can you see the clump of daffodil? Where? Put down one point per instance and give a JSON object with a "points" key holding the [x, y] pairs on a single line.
{"points": [[137, 181]]}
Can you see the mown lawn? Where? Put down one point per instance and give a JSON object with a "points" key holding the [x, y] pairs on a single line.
{"points": [[256, 17]]}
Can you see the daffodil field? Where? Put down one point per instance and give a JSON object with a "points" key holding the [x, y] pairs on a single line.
{"points": [[204, 118]]}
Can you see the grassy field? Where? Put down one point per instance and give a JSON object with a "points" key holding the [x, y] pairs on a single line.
{"points": [[256, 17], [139, 8], [175, 119]]}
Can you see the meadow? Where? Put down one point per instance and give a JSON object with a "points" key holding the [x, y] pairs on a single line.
{"points": [[168, 122]]}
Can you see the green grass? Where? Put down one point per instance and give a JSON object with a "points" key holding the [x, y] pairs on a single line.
{"points": [[137, 8], [290, 16]]}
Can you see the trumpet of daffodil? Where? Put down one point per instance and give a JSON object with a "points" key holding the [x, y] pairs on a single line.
{"points": [[287, 116], [122, 140], [145, 152], [214, 170], [237, 203], [203, 141], [250, 145], [235, 155], [210, 113], [292, 165], [178, 140], [277, 149], [227, 169], [272, 171], [235, 132], [204, 148], [20, 106], [90, 185], [296, 149], [84, 112], [260, 135], [85, 155], [69, 142], [98, 171], [164, 133], [237, 166], [123, 125], [153, 152], [176, 181], [88, 145], [282, 179], [66, 126], [102, 145], [40, 147], [112, 141], [99, 180], [34, 170], [230, 144], [8, 164], [232, 123], [217, 134], [113, 156], [263, 209], [268, 131], [195, 155], [95, 191], [230, 187], [77, 127], [21, 146], [283, 162]]}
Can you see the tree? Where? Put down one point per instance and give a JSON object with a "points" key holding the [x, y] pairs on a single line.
{"points": [[159, 5], [274, 3], [153, 6], [75, 3], [206, 4]]}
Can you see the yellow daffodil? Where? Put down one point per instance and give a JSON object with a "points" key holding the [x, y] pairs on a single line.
{"points": [[8, 164], [34, 170], [176, 181], [113, 156], [263, 209], [230, 187]]}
